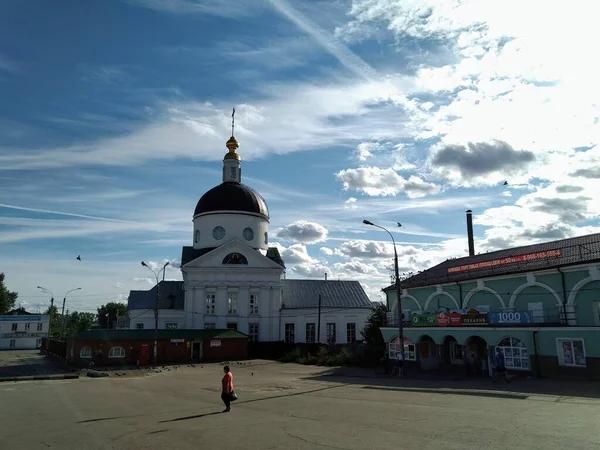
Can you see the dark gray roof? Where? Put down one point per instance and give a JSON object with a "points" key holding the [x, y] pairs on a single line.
{"points": [[232, 196], [274, 255], [334, 294], [190, 253], [573, 251], [171, 297]]}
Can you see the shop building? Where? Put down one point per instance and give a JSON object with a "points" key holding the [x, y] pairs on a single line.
{"points": [[130, 347], [540, 304], [21, 330]]}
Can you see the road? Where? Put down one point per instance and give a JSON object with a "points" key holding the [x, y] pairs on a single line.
{"points": [[285, 406]]}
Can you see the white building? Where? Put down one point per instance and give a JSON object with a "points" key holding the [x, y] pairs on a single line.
{"points": [[233, 279], [20, 330]]}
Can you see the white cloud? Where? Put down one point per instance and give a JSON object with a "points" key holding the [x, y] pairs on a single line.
{"points": [[350, 203], [304, 231], [375, 181], [326, 251]]}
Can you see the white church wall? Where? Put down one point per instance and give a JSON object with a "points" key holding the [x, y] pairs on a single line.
{"points": [[300, 317], [234, 225]]}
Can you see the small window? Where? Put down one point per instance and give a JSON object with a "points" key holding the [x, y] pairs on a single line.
{"points": [[253, 303], [232, 303], [571, 352], [290, 333], [116, 352], [253, 332], [39, 326], [85, 352], [210, 303], [12, 343], [266, 238], [139, 326], [331, 333], [27, 326], [248, 233], [232, 326], [196, 236], [171, 325], [350, 333], [209, 326], [219, 233], [15, 326], [311, 333]]}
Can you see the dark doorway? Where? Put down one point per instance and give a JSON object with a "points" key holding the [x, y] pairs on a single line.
{"points": [[196, 351], [476, 351]]}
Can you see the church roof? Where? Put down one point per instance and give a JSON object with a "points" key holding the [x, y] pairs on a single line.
{"points": [[274, 255], [190, 253], [171, 297], [334, 294], [232, 196]]}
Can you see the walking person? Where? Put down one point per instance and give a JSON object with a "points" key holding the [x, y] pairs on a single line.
{"points": [[500, 367], [227, 388]]}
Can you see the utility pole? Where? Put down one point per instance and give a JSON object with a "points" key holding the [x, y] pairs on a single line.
{"points": [[398, 289], [155, 354], [63, 311]]}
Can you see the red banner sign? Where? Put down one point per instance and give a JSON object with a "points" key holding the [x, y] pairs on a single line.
{"points": [[504, 261], [448, 320]]}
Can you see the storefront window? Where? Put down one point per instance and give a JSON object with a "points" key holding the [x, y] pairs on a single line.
{"points": [[571, 352], [410, 350], [516, 355]]}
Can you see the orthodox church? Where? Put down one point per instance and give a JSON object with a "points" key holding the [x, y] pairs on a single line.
{"points": [[233, 279]]}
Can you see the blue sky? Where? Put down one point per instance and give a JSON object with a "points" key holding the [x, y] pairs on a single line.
{"points": [[114, 117]]}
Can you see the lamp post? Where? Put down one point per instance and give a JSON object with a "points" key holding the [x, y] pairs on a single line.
{"points": [[398, 288], [156, 274], [64, 322], [50, 318]]}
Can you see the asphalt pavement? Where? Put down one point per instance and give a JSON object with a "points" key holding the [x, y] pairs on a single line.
{"points": [[287, 406]]}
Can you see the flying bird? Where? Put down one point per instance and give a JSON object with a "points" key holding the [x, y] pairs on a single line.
{"points": [[78, 257], [399, 224], [506, 183]]}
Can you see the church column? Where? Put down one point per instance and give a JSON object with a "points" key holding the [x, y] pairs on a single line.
{"points": [[190, 307], [243, 308], [200, 308], [221, 307]]}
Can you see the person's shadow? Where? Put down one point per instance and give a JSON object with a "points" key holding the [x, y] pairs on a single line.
{"points": [[197, 416]]}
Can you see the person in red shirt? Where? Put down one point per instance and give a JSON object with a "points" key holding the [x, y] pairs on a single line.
{"points": [[227, 388]]}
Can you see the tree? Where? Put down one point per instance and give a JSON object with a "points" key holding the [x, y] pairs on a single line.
{"points": [[372, 334], [7, 298], [78, 322], [107, 314]]}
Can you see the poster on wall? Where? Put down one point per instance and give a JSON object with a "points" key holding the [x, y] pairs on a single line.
{"points": [[445, 319], [474, 317], [511, 318]]}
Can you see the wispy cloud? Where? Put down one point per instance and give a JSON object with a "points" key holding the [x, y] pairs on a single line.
{"points": [[221, 8], [328, 41], [61, 213], [8, 65]]}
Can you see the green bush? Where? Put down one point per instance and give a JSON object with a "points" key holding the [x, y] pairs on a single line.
{"points": [[308, 360], [292, 356]]}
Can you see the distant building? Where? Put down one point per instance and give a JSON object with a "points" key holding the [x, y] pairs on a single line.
{"points": [[132, 347], [21, 330], [141, 304], [539, 305]]}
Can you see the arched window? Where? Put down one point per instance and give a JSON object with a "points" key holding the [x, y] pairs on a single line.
{"points": [[516, 355], [235, 258], [85, 352], [116, 352]]}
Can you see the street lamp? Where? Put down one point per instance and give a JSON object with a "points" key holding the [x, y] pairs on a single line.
{"points": [[50, 318], [398, 288], [156, 274], [64, 322]]}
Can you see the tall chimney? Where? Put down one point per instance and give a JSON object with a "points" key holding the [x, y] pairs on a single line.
{"points": [[325, 276], [470, 232]]}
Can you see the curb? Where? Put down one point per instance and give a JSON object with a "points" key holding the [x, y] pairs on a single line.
{"points": [[69, 376]]}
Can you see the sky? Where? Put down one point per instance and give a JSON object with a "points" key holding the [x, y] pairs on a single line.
{"points": [[114, 117]]}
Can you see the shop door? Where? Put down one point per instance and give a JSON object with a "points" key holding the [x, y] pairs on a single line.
{"points": [[197, 351], [144, 355]]}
